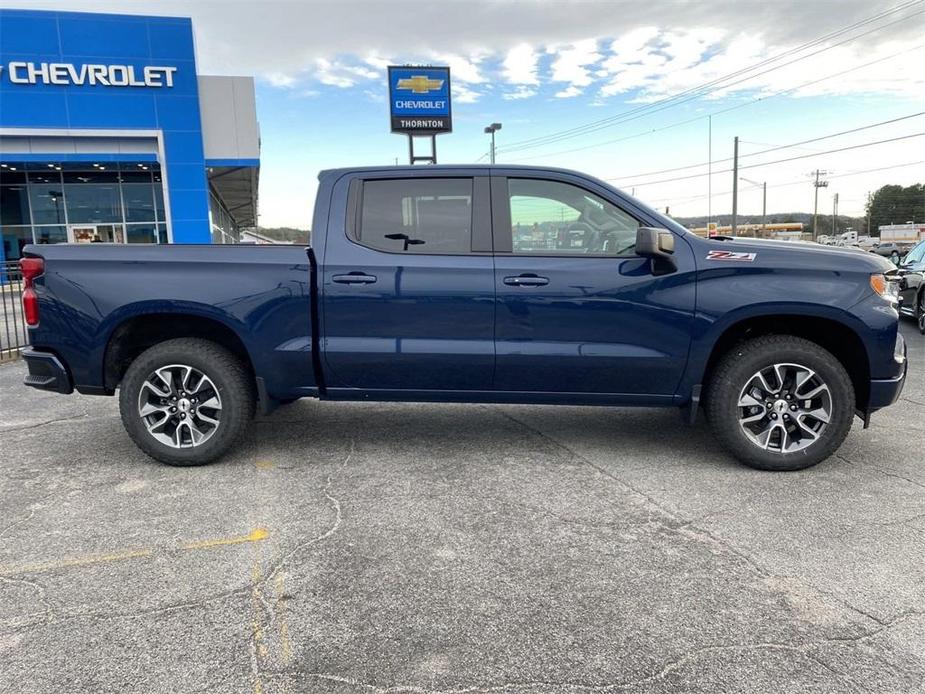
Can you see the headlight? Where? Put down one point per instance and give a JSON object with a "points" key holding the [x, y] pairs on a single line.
{"points": [[885, 288]]}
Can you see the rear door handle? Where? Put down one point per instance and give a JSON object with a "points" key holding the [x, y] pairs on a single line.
{"points": [[354, 278], [526, 281]]}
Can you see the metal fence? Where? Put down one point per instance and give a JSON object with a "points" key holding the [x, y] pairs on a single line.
{"points": [[13, 334]]}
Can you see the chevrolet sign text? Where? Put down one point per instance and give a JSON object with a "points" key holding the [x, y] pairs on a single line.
{"points": [[20, 72]]}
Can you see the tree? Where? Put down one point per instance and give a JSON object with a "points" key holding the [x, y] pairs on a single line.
{"points": [[895, 204]]}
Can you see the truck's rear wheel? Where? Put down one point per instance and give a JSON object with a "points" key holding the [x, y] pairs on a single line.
{"points": [[186, 401], [780, 402]]}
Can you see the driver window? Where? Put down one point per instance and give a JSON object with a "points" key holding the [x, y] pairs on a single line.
{"points": [[915, 256], [553, 218]]}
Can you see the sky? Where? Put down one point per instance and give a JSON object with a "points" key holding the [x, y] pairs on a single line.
{"points": [[630, 92]]}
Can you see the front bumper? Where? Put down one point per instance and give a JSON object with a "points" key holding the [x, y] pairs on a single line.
{"points": [[884, 392], [46, 372]]}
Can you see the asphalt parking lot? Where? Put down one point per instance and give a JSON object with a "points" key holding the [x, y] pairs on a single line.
{"points": [[428, 548]]}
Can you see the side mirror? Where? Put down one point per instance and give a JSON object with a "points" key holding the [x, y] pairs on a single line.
{"points": [[654, 243]]}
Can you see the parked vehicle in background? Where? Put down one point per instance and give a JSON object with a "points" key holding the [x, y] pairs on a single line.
{"points": [[893, 251], [904, 234], [848, 238], [473, 284], [911, 273]]}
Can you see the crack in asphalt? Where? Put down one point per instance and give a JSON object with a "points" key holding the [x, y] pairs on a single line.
{"points": [[804, 649], [258, 650], [688, 527], [48, 611], [203, 603], [884, 471], [23, 427]]}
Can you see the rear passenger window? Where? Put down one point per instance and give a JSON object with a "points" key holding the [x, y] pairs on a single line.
{"points": [[417, 215]]}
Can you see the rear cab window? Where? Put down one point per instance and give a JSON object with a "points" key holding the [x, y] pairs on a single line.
{"points": [[416, 215]]}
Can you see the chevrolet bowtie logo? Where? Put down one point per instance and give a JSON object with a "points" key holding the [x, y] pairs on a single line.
{"points": [[420, 84]]}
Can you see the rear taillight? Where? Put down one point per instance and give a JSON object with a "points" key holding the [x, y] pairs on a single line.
{"points": [[31, 268]]}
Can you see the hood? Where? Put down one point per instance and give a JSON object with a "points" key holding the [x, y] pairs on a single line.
{"points": [[806, 251]]}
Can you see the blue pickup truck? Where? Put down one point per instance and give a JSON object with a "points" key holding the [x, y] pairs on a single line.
{"points": [[473, 284]]}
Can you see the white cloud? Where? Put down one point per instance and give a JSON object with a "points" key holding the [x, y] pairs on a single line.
{"points": [[521, 92], [568, 92], [520, 65], [462, 68], [462, 94], [572, 66], [279, 79], [335, 73]]}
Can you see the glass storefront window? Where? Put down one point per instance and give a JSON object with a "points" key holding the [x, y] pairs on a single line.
{"points": [[108, 203], [14, 205], [141, 233], [159, 199], [94, 176], [138, 199], [47, 203], [13, 240], [51, 234], [92, 202], [7, 176]]}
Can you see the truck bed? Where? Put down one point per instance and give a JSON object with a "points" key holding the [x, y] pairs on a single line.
{"points": [[261, 294]]}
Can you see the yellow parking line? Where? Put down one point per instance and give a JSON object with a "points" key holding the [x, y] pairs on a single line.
{"points": [[78, 561], [254, 536]]}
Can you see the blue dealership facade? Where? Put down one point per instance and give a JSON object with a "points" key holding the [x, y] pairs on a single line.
{"points": [[107, 133]]}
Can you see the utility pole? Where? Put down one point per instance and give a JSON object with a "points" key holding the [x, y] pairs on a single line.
{"points": [[817, 184], [764, 208], [835, 215], [735, 185], [869, 200], [709, 170]]}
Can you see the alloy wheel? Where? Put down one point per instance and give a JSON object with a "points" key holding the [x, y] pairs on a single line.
{"points": [[180, 406], [784, 408]]}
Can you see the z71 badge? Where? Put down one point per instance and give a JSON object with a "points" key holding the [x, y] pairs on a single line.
{"points": [[732, 255]]}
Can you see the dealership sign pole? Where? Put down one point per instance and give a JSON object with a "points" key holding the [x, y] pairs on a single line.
{"points": [[419, 105]]}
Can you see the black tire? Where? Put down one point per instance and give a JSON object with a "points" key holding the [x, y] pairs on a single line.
{"points": [[920, 312], [231, 380], [737, 367]]}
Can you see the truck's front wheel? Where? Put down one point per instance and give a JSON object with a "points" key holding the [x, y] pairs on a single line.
{"points": [[186, 401], [780, 402]]}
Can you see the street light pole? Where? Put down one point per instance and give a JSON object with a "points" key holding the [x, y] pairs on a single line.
{"points": [[492, 129], [817, 184]]}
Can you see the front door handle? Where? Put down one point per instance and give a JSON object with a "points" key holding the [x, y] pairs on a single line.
{"points": [[354, 278], [526, 281]]}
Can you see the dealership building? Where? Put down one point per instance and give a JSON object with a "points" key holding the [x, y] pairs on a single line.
{"points": [[108, 134]]}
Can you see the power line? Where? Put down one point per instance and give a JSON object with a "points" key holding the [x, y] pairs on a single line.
{"points": [[801, 181], [699, 91], [716, 113], [780, 147], [703, 89], [776, 161]]}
